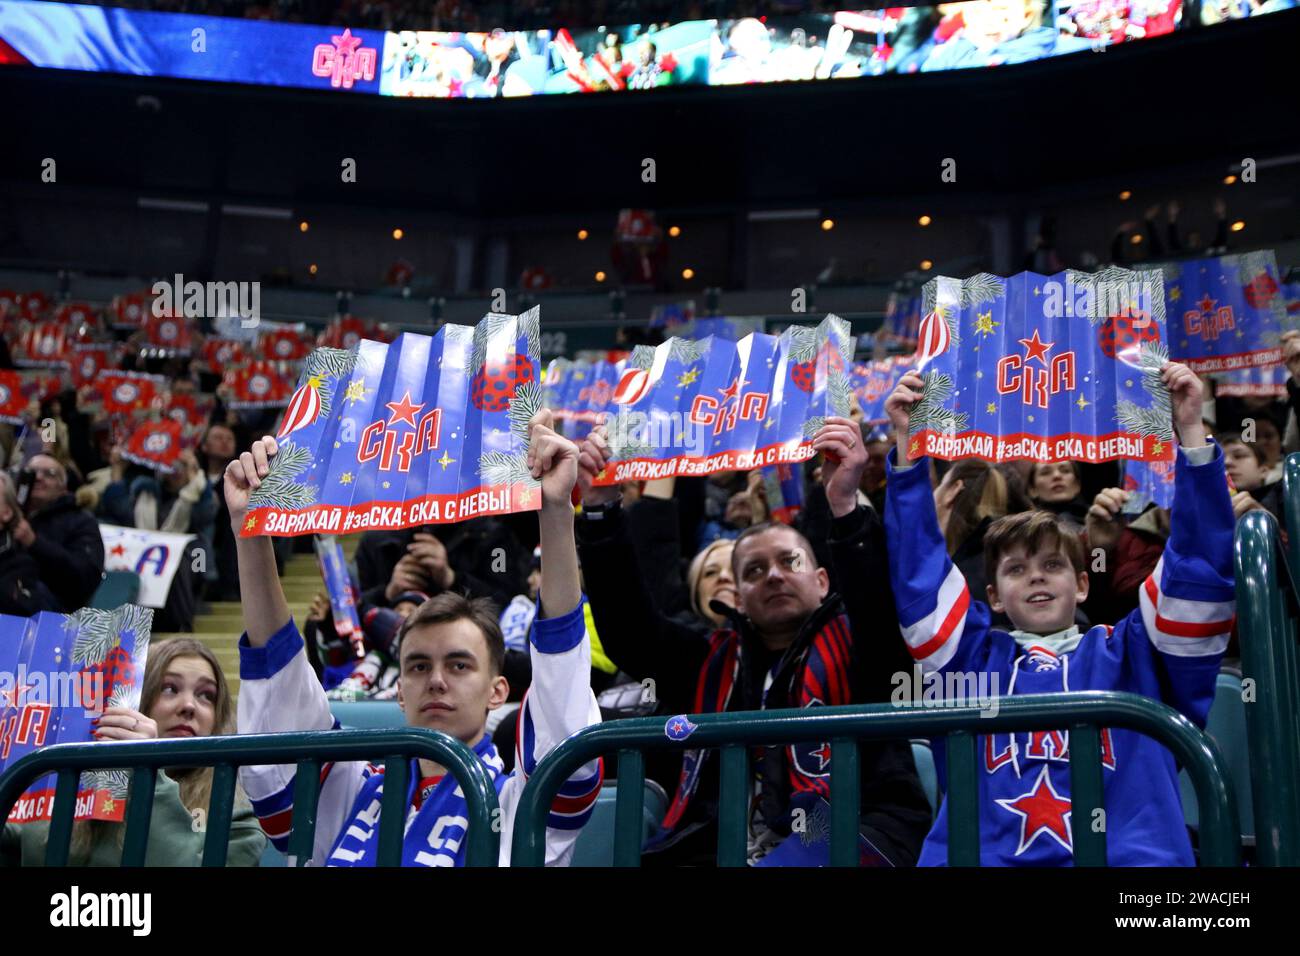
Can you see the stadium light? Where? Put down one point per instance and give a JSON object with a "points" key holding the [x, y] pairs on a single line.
{"points": [[1136, 238], [600, 276], [1229, 179], [674, 231], [828, 225], [312, 268], [397, 233], [582, 234], [688, 273], [925, 220], [303, 226], [1125, 196], [926, 265], [1239, 225]]}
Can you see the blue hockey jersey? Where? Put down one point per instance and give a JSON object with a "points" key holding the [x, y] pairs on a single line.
{"points": [[279, 692], [1168, 649]]}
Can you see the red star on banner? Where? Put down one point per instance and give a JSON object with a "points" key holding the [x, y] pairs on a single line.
{"points": [[403, 410], [1036, 348], [732, 390], [1041, 810], [1206, 304], [117, 550], [346, 43]]}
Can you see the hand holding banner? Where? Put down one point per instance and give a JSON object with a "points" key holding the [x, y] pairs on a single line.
{"points": [[1047, 368]]}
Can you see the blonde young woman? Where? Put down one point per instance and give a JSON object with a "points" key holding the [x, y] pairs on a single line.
{"points": [[185, 694]]}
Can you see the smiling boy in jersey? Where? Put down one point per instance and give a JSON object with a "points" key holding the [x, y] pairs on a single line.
{"points": [[1168, 649]]}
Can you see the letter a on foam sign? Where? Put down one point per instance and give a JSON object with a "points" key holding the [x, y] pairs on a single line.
{"points": [[422, 430]]}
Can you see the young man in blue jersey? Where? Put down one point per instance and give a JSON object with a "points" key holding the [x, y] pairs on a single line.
{"points": [[1168, 649], [450, 658]]}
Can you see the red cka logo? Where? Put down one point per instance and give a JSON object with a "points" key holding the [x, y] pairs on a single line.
{"points": [[344, 61], [722, 412], [1207, 321], [381, 439], [1036, 382]]}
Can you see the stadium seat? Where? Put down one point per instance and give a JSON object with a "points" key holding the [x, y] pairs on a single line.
{"points": [[595, 846], [1227, 727], [117, 588], [367, 714], [925, 770]]}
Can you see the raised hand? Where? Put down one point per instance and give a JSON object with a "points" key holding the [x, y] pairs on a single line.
{"points": [[244, 476], [899, 408], [553, 459], [1186, 393], [124, 723], [845, 458], [593, 458], [1103, 524]]}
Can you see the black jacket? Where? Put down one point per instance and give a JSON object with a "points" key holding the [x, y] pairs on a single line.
{"points": [[472, 550], [643, 641], [69, 552], [22, 592]]}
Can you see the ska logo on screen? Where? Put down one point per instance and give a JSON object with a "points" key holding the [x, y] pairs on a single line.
{"points": [[344, 60]]}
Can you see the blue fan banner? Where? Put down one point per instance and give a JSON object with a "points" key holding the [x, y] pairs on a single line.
{"points": [[698, 407], [58, 672], [1044, 368], [422, 430], [1225, 313]]}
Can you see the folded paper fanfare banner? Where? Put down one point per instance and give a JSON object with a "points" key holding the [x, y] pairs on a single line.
{"points": [[783, 485], [57, 674], [1148, 483], [1262, 381], [334, 571], [1225, 313], [872, 383], [695, 408], [425, 430], [1045, 368]]}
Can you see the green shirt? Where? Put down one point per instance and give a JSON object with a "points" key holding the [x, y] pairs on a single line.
{"points": [[173, 840]]}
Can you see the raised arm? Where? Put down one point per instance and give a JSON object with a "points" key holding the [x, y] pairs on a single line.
{"points": [[265, 609], [942, 626]]}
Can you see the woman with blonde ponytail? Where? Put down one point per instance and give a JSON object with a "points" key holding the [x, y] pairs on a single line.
{"points": [[185, 694]]}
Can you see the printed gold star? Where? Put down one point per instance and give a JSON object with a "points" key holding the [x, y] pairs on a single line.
{"points": [[445, 460], [601, 474], [1175, 294], [914, 447], [1029, 418], [108, 805], [1241, 334], [687, 377], [1157, 447], [314, 381], [1128, 383], [385, 484], [526, 498], [984, 324], [979, 374], [991, 408], [251, 523], [1037, 291], [337, 445], [1082, 402], [345, 478], [355, 391], [768, 423]]}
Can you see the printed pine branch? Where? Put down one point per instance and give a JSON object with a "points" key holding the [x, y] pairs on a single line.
{"points": [[282, 494], [331, 363], [290, 461], [813, 425], [501, 468], [1144, 420], [526, 403], [981, 288], [116, 782], [803, 344], [642, 357], [530, 326], [686, 351], [839, 394], [93, 642], [632, 448]]}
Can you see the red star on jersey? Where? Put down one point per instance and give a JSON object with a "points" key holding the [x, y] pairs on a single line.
{"points": [[403, 411], [1206, 304], [1036, 348], [1041, 810]]}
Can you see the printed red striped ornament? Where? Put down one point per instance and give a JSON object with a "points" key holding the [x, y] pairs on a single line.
{"points": [[632, 386], [933, 339], [304, 409]]}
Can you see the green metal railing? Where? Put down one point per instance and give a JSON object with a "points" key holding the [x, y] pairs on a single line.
{"points": [[225, 755], [1082, 714], [1266, 629]]}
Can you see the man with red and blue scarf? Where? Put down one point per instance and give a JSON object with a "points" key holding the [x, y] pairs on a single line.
{"points": [[788, 641]]}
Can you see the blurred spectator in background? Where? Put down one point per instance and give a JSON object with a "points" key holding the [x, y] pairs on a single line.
{"points": [[21, 590], [217, 449], [62, 538], [1056, 487]]}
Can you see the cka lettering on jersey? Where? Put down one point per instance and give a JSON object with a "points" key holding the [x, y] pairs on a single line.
{"points": [[1049, 745]]}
